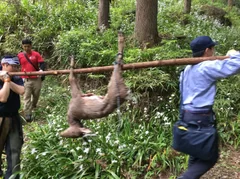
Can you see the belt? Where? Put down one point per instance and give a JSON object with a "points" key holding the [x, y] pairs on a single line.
{"points": [[204, 118], [199, 112], [28, 79], [8, 114]]}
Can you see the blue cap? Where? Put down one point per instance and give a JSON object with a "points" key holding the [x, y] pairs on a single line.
{"points": [[201, 43], [11, 60]]}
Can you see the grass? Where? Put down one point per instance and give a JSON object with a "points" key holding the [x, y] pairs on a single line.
{"points": [[137, 145]]}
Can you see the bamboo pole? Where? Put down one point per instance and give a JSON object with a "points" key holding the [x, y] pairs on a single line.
{"points": [[130, 66]]}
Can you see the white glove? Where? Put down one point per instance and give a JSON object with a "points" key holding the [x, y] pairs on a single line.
{"points": [[232, 52]]}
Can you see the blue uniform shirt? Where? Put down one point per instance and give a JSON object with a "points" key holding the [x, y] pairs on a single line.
{"points": [[199, 81], [13, 103]]}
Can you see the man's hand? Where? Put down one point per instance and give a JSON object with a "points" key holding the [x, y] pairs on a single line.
{"points": [[39, 75], [231, 52], [2, 73], [4, 76]]}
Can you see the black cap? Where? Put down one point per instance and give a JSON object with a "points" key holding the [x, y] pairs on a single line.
{"points": [[201, 43]]}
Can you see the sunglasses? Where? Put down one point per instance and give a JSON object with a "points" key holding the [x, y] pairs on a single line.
{"points": [[15, 66]]}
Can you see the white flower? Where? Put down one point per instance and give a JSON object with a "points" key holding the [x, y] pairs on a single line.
{"points": [[44, 153], [33, 151], [146, 132], [98, 150], [122, 146], [116, 142], [65, 146], [165, 119], [81, 167], [114, 161], [108, 137], [86, 150], [77, 148], [167, 123], [145, 110]]}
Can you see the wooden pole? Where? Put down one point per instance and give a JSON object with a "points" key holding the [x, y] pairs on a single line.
{"points": [[130, 66]]}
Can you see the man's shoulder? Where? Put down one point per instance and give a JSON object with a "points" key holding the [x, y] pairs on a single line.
{"points": [[34, 52], [38, 56], [20, 54]]}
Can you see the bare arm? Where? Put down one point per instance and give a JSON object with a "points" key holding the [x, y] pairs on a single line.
{"points": [[4, 92], [17, 88]]}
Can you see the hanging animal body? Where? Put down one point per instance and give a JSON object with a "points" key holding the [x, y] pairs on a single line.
{"points": [[83, 107]]}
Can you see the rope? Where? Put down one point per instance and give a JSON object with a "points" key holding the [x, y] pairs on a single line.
{"points": [[116, 63]]}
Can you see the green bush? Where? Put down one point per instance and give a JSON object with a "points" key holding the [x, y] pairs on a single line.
{"points": [[135, 143]]}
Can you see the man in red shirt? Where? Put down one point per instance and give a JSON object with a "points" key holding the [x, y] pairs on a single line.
{"points": [[30, 61]]}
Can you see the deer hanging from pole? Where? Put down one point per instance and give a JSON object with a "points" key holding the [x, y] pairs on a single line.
{"points": [[90, 106]]}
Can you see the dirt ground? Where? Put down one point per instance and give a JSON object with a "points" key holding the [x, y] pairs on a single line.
{"points": [[228, 166]]}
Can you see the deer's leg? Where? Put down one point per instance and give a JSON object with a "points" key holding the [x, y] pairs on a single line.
{"points": [[75, 129], [75, 88]]}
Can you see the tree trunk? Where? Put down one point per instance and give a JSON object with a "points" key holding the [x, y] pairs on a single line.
{"points": [[230, 3], [187, 6], [146, 22], [103, 14]]}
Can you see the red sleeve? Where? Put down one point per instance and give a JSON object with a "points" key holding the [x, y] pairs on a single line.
{"points": [[39, 57]]}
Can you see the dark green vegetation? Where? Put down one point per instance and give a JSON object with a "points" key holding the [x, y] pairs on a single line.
{"points": [[138, 144]]}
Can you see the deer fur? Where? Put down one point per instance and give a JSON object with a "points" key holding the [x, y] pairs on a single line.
{"points": [[83, 107]]}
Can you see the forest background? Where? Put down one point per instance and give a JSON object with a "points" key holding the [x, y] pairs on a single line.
{"points": [[136, 143]]}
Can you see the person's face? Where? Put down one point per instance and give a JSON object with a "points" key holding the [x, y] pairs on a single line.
{"points": [[10, 68], [27, 47], [209, 52]]}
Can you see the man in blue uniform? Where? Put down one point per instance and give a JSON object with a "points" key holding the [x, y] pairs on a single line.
{"points": [[11, 135], [198, 90]]}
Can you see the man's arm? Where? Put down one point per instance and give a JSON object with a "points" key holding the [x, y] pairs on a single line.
{"points": [[17, 88], [41, 62], [218, 69], [4, 92], [42, 66]]}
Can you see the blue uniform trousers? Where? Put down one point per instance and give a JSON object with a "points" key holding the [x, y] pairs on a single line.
{"points": [[196, 166]]}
